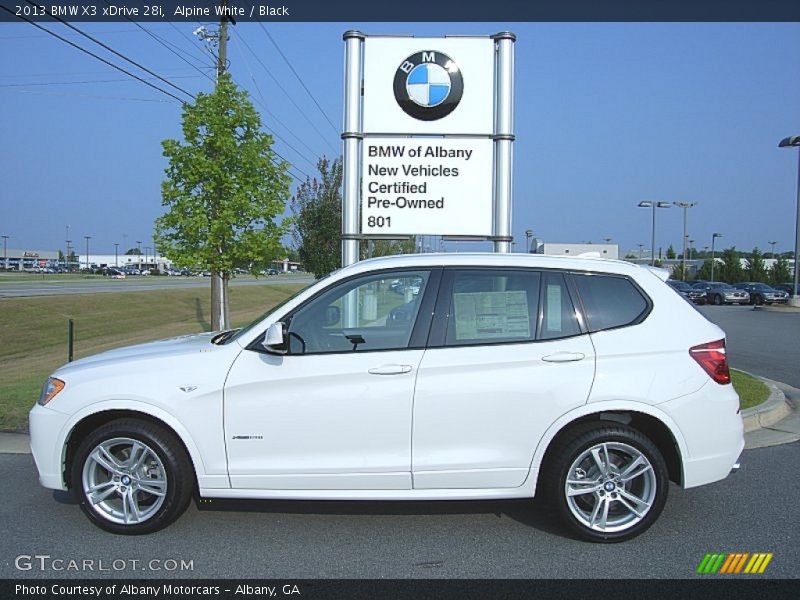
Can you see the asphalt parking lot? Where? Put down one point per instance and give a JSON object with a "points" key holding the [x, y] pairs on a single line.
{"points": [[754, 511]]}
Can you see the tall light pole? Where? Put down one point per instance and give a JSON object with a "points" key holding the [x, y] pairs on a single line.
{"points": [[116, 254], [528, 236], [139, 246], [641, 247], [654, 205], [789, 142], [691, 249], [87, 238], [713, 239], [66, 256], [773, 247], [685, 206], [5, 252]]}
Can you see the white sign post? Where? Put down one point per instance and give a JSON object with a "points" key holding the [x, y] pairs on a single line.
{"points": [[428, 135]]}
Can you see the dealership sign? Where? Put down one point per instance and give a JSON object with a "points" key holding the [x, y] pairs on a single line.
{"points": [[427, 138], [419, 186]]}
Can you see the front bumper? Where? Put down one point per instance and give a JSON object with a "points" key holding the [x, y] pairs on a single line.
{"points": [[47, 432]]}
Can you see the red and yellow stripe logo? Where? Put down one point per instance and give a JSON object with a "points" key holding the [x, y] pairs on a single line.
{"points": [[733, 563]]}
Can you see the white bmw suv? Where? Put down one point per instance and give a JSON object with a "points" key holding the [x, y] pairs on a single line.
{"points": [[434, 376]]}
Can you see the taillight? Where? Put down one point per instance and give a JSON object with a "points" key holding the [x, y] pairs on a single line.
{"points": [[713, 359]]}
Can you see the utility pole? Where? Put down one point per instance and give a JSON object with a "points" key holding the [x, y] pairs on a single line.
{"points": [[116, 254], [220, 314], [87, 238], [5, 253]]}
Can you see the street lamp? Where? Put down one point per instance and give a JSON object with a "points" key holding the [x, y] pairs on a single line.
{"points": [[685, 206], [691, 249], [654, 205], [87, 238], [528, 236], [68, 255], [789, 142], [139, 246], [713, 239], [5, 252], [641, 246], [773, 247], [116, 254]]}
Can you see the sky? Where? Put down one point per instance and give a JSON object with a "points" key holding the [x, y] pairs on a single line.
{"points": [[607, 115]]}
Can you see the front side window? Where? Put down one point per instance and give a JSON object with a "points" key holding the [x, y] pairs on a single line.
{"points": [[610, 301], [373, 312]]}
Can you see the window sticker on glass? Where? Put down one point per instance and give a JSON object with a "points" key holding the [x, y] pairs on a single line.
{"points": [[553, 307], [486, 315]]}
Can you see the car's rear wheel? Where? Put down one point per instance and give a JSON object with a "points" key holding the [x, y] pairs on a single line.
{"points": [[132, 477], [717, 300], [607, 482]]}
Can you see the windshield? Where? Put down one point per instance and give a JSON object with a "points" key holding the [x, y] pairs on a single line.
{"points": [[237, 333], [680, 285]]}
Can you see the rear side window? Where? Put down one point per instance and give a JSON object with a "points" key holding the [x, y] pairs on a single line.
{"points": [[490, 307], [610, 301]]}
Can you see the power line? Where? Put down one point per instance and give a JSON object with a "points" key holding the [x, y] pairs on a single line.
{"points": [[296, 74], [119, 54], [160, 41], [86, 81], [287, 94], [79, 95], [93, 55]]}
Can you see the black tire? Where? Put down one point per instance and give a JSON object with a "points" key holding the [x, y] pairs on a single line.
{"points": [[571, 447], [758, 300], [717, 300], [175, 465]]}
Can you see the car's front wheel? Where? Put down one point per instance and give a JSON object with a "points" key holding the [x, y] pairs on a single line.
{"points": [[717, 300], [607, 482], [132, 477]]}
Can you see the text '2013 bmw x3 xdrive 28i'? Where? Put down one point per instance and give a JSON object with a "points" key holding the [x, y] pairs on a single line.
{"points": [[462, 376]]}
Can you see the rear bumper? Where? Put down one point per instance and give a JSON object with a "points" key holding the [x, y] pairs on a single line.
{"points": [[712, 428]]}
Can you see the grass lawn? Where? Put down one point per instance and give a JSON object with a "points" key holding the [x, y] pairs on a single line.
{"points": [[752, 392], [34, 331]]}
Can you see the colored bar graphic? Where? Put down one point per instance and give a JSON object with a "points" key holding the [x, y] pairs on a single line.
{"points": [[733, 562]]}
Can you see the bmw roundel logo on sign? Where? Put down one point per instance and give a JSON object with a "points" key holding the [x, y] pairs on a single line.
{"points": [[428, 85]]}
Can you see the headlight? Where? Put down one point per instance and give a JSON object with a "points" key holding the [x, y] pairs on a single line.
{"points": [[50, 390]]}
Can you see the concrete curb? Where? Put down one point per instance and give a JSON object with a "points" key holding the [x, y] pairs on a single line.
{"points": [[15, 443], [768, 412]]}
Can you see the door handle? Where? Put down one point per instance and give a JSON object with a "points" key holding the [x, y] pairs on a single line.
{"points": [[390, 370], [560, 357]]}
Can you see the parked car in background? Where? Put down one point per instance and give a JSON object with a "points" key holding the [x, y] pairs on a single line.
{"points": [[586, 381], [688, 292], [114, 273], [787, 287], [761, 293], [722, 293]]}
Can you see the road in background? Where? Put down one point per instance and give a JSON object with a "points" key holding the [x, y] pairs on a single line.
{"points": [[50, 287], [762, 341]]}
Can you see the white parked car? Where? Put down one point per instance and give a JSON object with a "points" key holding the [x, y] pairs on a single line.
{"points": [[587, 380]]}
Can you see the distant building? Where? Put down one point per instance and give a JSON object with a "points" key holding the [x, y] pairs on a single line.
{"points": [[18, 260], [566, 249]]}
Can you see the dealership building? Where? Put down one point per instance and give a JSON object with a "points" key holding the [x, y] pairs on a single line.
{"points": [[17, 259]]}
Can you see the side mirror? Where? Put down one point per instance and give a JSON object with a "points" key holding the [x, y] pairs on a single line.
{"points": [[332, 315], [275, 339]]}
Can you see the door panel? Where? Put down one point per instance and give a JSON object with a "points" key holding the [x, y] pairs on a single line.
{"points": [[511, 359], [320, 422]]}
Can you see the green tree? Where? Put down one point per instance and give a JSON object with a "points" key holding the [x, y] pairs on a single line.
{"points": [[317, 219], [670, 252], [756, 269], [133, 252], [678, 272], [704, 273], [223, 190], [731, 268], [780, 272]]}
